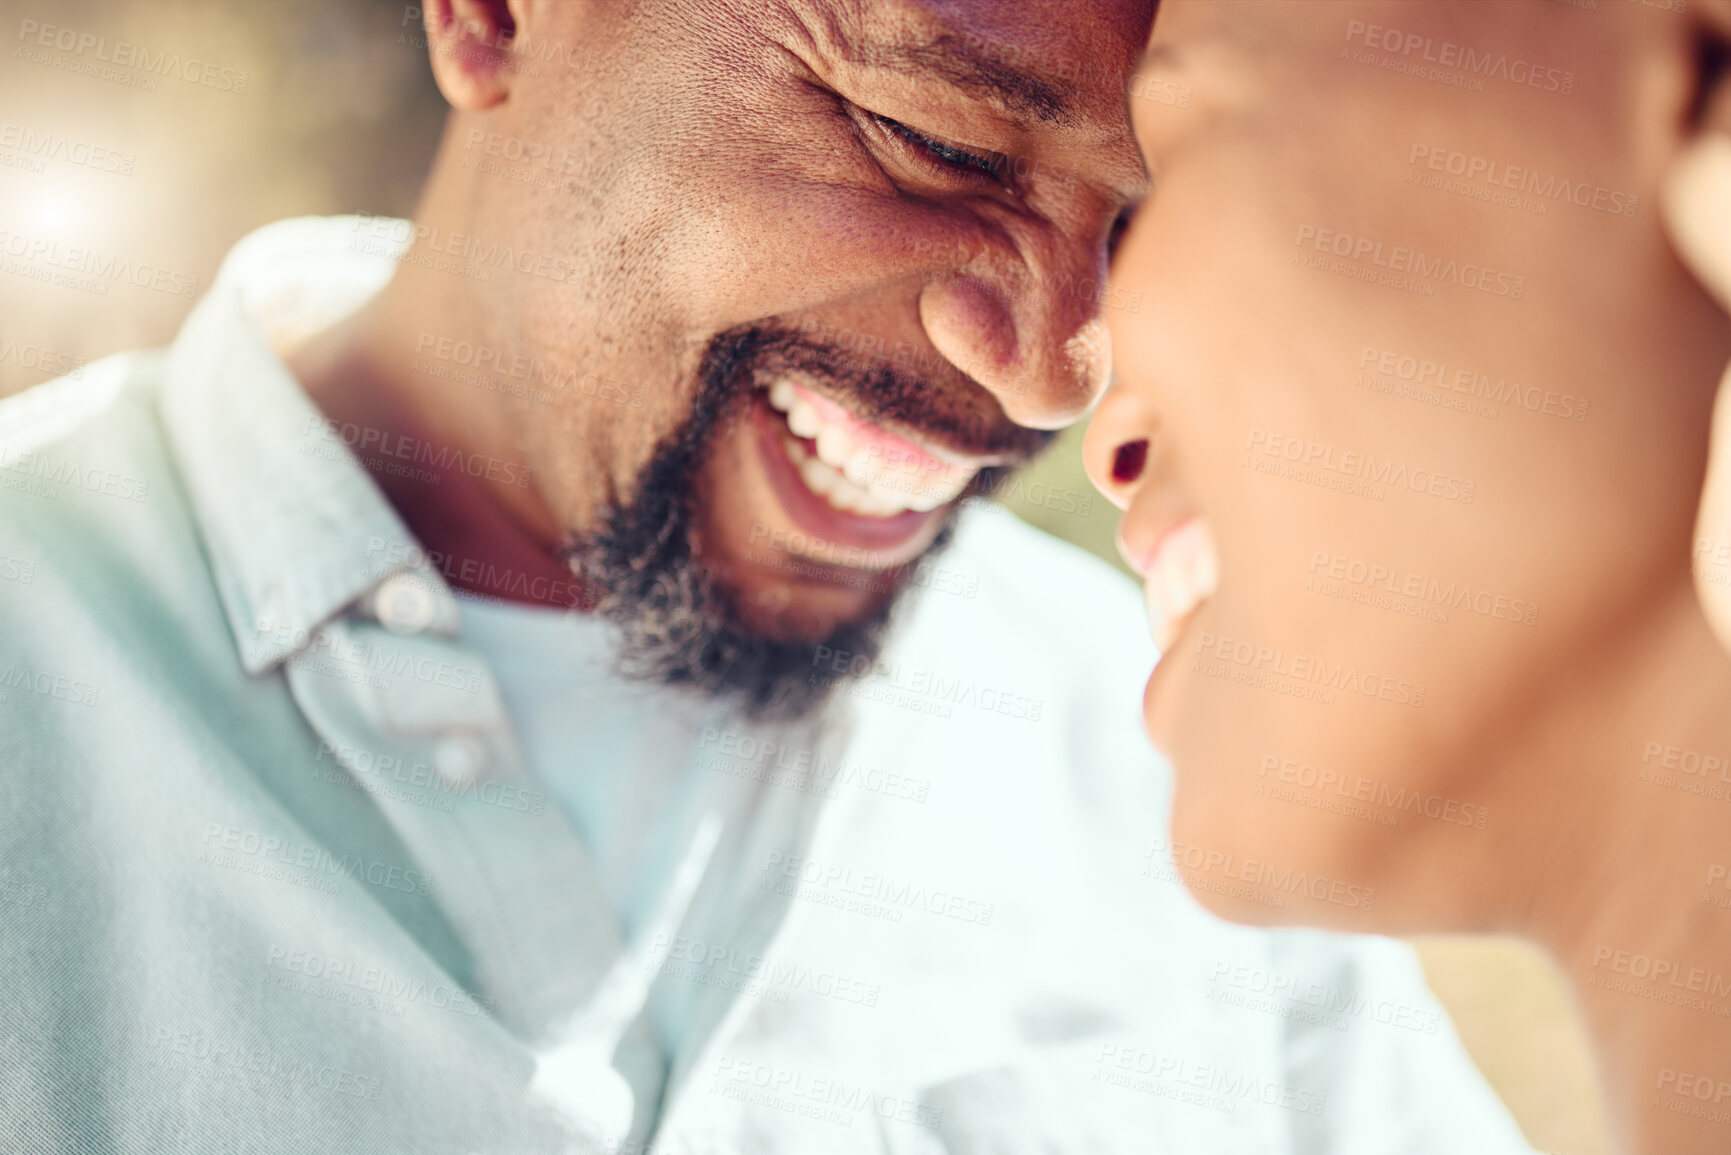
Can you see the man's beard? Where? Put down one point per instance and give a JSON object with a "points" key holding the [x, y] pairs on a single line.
{"points": [[680, 627]]}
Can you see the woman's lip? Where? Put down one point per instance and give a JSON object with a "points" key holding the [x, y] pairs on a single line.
{"points": [[1179, 573], [812, 513]]}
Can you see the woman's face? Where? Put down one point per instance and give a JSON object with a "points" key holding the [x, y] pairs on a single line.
{"points": [[1415, 351]]}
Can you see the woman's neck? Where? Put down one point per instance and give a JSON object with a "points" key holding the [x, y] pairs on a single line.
{"points": [[1617, 857]]}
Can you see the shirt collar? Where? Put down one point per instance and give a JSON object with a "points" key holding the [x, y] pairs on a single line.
{"points": [[295, 528]]}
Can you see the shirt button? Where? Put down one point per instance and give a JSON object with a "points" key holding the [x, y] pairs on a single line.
{"points": [[458, 758], [404, 603], [270, 608]]}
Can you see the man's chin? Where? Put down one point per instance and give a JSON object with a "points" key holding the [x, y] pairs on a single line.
{"points": [[675, 572], [745, 549], [680, 625], [789, 598]]}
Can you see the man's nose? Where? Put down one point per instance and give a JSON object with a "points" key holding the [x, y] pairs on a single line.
{"points": [[1028, 327]]}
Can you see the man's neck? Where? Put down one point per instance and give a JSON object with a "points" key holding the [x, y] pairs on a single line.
{"points": [[444, 459]]}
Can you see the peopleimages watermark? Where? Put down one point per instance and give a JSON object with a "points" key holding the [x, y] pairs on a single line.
{"points": [[1252, 879], [44, 473], [1018, 487], [759, 759], [363, 660], [921, 690], [1347, 471], [1516, 186], [726, 967], [35, 148], [1709, 560], [879, 893], [371, 987], [1157, 90], [1403, 591], [85, 269], [1468, 384], [374, 444], [1661, 980], [313, 858], [1286, 779], [1302, 675], [825, 1099], [1402, 267], [1238, 984], [1686, 771], [187, 1052], [1717, 873], [1447, 62], [1274, 662], [1684, 1093], [41, 358], [17, 569], [1134, 1068], [500, 581], [47, 684], [422, 782], [130, 64]]}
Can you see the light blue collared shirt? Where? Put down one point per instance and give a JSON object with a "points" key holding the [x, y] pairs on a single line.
{"points": [[276, 873]]}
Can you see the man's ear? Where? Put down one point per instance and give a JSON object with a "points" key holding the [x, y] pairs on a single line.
{"points": [[469, 43], [1696, 209]]}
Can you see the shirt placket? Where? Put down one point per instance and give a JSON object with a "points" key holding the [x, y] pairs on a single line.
{"points": [[790, 825], [506, 867]]}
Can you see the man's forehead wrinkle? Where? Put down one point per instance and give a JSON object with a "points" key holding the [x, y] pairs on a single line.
{"points": [[953, 58], [823, 30]]}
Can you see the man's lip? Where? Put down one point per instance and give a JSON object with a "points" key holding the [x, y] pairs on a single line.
{"points": [[812, 513], [917, 450]]}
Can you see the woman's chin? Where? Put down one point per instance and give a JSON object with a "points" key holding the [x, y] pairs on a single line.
{"points": [[1162, 695]]}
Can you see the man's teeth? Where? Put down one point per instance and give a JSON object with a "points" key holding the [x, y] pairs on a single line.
{"points": [[801, 417], [824, 480], [852, 477]]}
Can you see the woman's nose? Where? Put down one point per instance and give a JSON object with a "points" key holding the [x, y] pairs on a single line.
{"points": [[1115, 448]]}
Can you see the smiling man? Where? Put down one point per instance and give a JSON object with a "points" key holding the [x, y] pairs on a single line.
{"points": [[327, 825], [850, 307]]}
